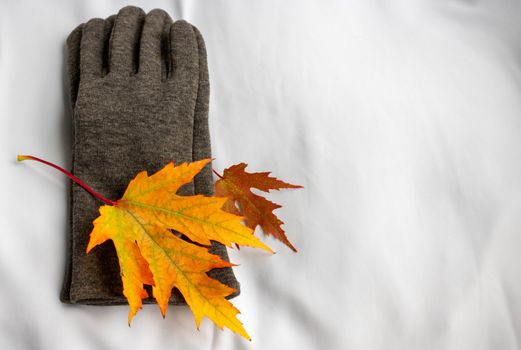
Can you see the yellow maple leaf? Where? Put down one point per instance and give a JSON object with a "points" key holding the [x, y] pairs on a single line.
{"points": [[140, 225]]}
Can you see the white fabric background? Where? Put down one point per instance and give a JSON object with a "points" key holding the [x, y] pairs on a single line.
{"points": [[401, 118]]}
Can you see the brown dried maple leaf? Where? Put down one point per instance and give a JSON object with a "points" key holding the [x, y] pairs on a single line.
{"points": [[236, 185]]}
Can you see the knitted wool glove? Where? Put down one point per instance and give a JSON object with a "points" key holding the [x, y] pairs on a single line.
{"points": [[139, 93]]}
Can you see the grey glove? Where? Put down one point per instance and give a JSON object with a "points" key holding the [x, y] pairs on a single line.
{"points": [[139, 93]]}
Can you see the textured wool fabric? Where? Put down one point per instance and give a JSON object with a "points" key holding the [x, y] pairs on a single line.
{"points": [[139, 93]]}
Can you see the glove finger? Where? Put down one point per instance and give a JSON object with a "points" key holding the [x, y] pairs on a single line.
{"points": [[73, 62], [124, 41], [166, 61], [150, 58], [184, 55], [203, 182], [93, 48]]}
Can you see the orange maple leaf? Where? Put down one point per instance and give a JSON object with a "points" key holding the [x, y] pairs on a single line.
{"points": [[140, 224], [236, 184]]}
